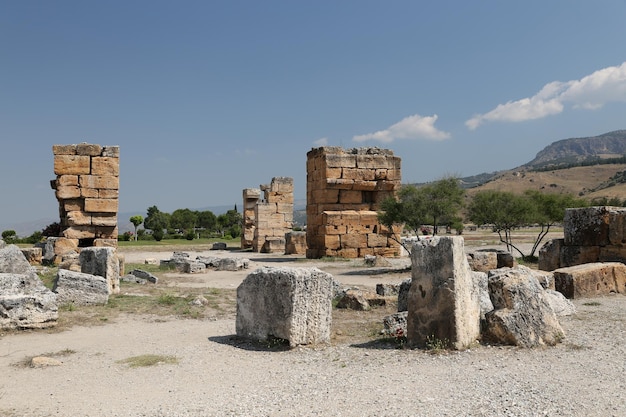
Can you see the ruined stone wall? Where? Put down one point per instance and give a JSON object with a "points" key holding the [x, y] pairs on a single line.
{"points": [[591, 234], [273, 216], [251, 197], [344, 190], [87, 188]]}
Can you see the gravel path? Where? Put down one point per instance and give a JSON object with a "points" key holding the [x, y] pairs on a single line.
{"points": [[217, 375]]}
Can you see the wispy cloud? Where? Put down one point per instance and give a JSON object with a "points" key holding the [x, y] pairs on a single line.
{"points": [[321, 142], [412, 127], [590, 92]]}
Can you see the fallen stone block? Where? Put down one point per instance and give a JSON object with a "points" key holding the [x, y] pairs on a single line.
{"points": [[522, 316], [103, 262], [293, 304], [219, 246], [193, 267], [33, 255], [403, 295], [80, 289], [591, 280], [394, 325], [140, 273]]}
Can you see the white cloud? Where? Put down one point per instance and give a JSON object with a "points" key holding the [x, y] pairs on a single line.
{"points": [[321, 142], [411, 127], [590, 92]]}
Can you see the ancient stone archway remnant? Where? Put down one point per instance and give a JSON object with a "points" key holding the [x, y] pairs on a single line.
{"points": [[87, 188], [344, 190], [266, 220]]}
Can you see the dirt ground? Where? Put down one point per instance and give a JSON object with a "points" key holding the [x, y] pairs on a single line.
{"points": [[213, 373]]}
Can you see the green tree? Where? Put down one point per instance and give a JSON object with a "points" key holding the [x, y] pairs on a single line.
{"points": [[549, 210], [443, 201], [136, 221], [183, 219], [157, 221], [228, 221], [206, 220], [9, 235]]}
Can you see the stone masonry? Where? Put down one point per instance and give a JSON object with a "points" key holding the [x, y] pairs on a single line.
{"points": [[344, 190], [273, 216], [251, 198], [87, 188], [591, 234]]}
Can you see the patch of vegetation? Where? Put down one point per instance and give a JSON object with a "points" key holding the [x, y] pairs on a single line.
{"points": [[592, 303], [436, 345], [148, 360], [27, 361]]}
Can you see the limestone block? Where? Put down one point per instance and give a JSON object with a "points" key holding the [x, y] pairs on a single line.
{"points": [[617, 226], [522, 316], [482, 261], [65, 180], [376, 240], [105, 166], [577, 255], [358, 174], [559, 304], [101, 205], [347, 253], [339, 184], [25, 303], [282, 185], [353, 241], [71, 165], [288, 303], [333, 230], [550, 255], [105, 232], [67, 192], [88, 149], [350, 197], [80, 289], [78, 218], [372, 161], [33, 255], [64, 149], [108, 193], [590, 280], [104, 219], [100, 181], [340, 161], [111, 151], [273, 245], [64, 245], [78, 232], [103, 262], [89, 193], [443, 302], [394, 325], [331, 241], [612, 254], [588, 226], [368, 217], [73, 204]]}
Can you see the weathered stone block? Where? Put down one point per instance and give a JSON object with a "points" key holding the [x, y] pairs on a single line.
{"points": [[588, 226], [522, 316], [105, 166], [550, 255], [66, 180], [78, 218], [295, 243], [100, 181], [33, 255], [376, 240], [103, 262], [590, 280], [67, 192], [353, 241], [111, 151], [443, 301], [80, 289], [101, 205], [64, 149], [288, 303], [88, 149], [104, 219], [482, 261], [576, 255], [71, 165], [89, 192]]}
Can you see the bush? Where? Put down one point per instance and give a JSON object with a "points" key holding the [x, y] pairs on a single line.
{"points": [[158, 235]]}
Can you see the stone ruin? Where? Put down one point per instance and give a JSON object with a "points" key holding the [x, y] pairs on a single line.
{"points": [[87, 187], [293, 304], [266, 220], [589, 260], [344, 190]]}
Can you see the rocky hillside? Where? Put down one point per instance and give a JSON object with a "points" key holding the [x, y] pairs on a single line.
{"points": [[593, 167]]}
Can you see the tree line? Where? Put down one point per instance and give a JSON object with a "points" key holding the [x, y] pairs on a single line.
{"points": [[187, 223], [441, 203]]}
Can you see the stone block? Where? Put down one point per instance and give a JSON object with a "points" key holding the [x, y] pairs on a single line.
{"points": [[104, 219], [80, 289], [66, 180], [577, 255], [33, 255], [273, 245], [67, 192], [88, 149], [74, 204], [111, 151], [103, 262], [612, 254], [100, 181], [89, 193], [591, 280], [71, 165], [106, 193], [25, 303], [358, 174], [350, 197], [105, 166], [550, 255], [78, 232], [340, 161], [78, 218], [482, 261], [101, 205], [353, 241], [588, 226], [443, 302], [293, 304], [376, 240], [64, 149], [295, 243]]}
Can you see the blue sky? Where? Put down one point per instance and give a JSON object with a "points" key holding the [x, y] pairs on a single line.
{"points": [[206, 98]]}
